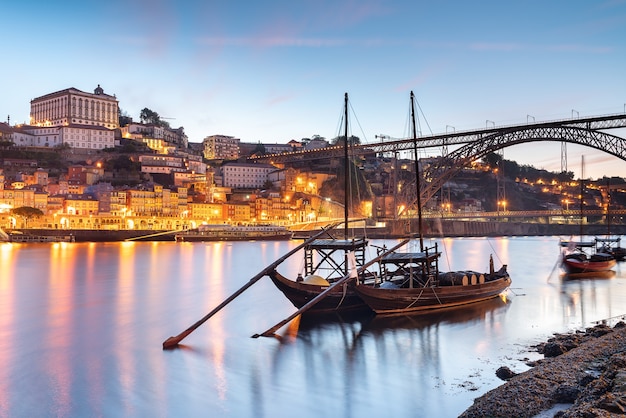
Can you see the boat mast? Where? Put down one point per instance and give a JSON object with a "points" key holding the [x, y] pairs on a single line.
{"points": [[417, 175], [346, 170]]}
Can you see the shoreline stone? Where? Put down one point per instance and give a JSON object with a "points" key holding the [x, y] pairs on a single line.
{"points": [[586, 369]]}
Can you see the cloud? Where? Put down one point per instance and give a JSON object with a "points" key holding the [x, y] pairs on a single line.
{"points": [[268, 42], [514, 47]]}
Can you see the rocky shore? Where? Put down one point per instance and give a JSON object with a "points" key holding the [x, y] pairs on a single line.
{"points": [[583, 374]]}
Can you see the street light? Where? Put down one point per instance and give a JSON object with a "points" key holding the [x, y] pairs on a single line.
{"points": [[528, 117]]}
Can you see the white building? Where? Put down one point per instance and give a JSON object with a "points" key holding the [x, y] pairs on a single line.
{"points": [[245, 175], [73, 117], [72, 106], [76, 136]]}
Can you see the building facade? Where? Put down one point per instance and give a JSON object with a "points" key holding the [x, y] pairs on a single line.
{"points": [[72, 106], [221, 147], [245, 175]]}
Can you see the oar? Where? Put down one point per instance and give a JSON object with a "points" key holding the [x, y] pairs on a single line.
{"points": [[559, 259], [173, 341], [271, 332]]}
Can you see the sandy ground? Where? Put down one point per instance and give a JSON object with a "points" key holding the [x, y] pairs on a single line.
{"points": [[583, 374]]}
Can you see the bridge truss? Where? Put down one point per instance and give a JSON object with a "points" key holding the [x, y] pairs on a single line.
{"points": [[473, 145]]}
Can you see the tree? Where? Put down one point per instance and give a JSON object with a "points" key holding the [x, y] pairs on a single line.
{"points": [[259, 149], [492, 160], [124, 118], [27, 213], [352, 140], [149, 116]]}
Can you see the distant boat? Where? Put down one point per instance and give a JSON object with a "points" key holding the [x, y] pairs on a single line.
{"points": [[235, 233], [412, 281], [18, 236], [582, 257]]}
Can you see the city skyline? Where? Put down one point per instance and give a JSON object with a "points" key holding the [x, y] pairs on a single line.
{"points": [[277, 71]]}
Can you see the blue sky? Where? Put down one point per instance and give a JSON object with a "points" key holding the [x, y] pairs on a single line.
{"points": [[272, 71]]}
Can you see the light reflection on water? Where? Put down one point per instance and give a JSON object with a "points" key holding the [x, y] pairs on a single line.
{"points": [[81, 328]]}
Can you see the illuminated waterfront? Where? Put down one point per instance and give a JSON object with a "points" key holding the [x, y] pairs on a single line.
{"points": [[82, 326]]}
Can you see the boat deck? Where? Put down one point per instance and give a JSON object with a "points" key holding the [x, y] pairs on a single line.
{"points": [[337, 244]]}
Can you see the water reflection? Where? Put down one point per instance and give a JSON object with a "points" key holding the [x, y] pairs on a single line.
{"points": [[82, 327], [585, 292]]}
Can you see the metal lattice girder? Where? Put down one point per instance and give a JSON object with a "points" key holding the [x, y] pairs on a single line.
{"points": [[477, 144], [597, 123], [444, 169]]}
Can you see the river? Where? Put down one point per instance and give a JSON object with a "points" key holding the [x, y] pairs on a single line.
{"points": [[82, 327]]}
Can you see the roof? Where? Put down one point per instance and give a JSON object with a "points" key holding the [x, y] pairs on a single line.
{"points": [[73, 90]]}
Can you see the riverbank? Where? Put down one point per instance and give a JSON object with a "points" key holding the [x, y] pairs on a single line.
{"points": [[392, 230], [583, 374]]}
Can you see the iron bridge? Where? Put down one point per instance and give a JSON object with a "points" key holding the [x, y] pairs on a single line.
{"points": [[472, 145]]}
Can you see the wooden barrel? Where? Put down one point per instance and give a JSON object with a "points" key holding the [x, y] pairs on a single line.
{"points": [[453, 278], [480, 277], [472, 277]]}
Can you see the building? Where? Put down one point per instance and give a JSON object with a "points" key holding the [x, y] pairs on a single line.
{"points": [[221, 147], [161, 139], [168, 164], [74, 107], [87, 137], [245, 175], [80, 204]]}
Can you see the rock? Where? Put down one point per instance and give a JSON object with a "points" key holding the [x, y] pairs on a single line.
{"points": [[553, 349], [619, 382], [566, 394], [590, 377], [612, 403], [505, 373]]}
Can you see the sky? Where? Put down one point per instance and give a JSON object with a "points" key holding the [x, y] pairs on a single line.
{"points": [[272, 71]]}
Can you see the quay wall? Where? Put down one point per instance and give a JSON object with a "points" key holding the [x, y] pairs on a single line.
{"points": [[398, 229], [464, 228]]}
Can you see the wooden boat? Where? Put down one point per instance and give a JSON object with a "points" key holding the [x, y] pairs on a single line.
{"points": [[412, 281], [235, 233], [426, 289], [326, 261], [580, 257]]}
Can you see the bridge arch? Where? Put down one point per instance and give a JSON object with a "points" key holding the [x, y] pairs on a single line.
{"points": [[447, 167]]}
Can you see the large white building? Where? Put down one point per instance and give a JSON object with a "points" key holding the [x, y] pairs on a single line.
{"points": [[72, 106], [72, 117]]}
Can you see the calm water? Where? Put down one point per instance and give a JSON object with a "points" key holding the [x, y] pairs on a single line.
{"points": [[82, 327]]}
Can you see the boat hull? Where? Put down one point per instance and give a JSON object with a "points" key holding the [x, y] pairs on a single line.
{"points": [[406, 300], [576, 266], [215, 237], [343, 298], [234, 233]]}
